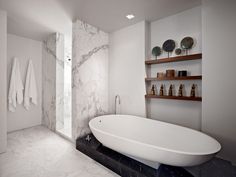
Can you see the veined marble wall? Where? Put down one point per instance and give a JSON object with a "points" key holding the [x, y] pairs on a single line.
{"points": [[67, 78], [60, 65], [53, 64], [89, 76]]}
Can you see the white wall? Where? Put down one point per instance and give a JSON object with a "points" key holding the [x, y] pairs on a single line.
{"points": [[219, 83], [176, 27], [127, 69], [3, 79], [25, 49]]}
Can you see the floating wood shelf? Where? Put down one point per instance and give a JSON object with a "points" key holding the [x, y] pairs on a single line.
{"points": [[175, 97], [174, 78], [174, 59]]}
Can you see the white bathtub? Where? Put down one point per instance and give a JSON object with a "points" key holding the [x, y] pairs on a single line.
{"points": [[154, 141]]}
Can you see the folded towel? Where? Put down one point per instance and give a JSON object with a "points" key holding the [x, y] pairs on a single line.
{"points": [[30, 87], [15, 94]]}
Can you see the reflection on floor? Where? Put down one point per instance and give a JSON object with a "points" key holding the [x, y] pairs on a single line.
{"points": [[66, 128], [38, 152]]}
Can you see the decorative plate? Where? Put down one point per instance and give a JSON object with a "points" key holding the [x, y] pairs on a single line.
{"points": [[156, 51], [169, 45], [178, 51], [187, 43]]}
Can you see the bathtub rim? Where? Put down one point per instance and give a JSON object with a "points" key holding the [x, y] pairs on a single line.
{"points": [[153, 146]]}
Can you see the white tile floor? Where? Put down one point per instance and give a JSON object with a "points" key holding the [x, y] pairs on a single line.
{"points": [[38, 152]]}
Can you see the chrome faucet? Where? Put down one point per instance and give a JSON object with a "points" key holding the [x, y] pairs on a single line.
{"points": [[117, 97]]}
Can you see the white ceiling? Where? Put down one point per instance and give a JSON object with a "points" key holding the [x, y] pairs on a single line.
{"points": [[37, 18]]}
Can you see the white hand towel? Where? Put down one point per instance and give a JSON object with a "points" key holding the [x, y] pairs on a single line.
{"points": [[15, 94], [30, 87]]}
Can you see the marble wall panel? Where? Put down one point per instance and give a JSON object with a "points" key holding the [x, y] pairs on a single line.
{"points": [[89, 76], [53, 65]]}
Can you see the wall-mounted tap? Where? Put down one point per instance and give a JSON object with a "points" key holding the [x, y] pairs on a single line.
{"points": [[117, 97]]}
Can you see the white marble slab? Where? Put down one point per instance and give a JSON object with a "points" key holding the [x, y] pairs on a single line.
{"points": [[53, 81], [89, 76], [49, 82]]}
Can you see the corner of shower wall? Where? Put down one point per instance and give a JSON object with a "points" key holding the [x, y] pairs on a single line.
{"points": [[89, 76], [53, 74], [60, 81]]}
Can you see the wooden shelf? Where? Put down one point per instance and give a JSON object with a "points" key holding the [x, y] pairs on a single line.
{"points": [[174, 78], [175, 97], [175, 59]]}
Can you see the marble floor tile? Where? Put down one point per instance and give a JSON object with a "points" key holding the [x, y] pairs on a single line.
{"points": [[38, 152]]}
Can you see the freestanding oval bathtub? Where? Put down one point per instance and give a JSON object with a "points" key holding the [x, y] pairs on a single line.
{"points": [[153, 140]]}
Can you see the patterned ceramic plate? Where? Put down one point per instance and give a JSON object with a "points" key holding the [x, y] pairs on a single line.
{"points": [[156, 51], [169, 45], [187, 43], [178, 51]]}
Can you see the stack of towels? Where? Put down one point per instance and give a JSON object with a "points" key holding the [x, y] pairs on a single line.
{"points": [[16, 87]]}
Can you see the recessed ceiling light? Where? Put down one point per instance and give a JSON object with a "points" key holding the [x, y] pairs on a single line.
{"points": [[130, 16]]}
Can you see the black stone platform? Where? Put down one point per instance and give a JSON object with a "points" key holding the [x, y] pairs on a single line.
{"points": [[123, 165]]}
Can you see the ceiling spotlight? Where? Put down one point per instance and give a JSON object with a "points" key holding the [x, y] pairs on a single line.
{"points": [[130, 16]]}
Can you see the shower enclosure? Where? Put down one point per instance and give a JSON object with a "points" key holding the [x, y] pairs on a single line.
{"points": [[63, 84]]}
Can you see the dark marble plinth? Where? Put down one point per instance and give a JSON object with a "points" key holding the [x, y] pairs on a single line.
{"points": [[123, 165], [214, 168]]}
